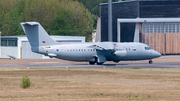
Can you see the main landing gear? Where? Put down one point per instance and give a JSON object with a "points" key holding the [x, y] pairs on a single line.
{"points": [[95, 61], [150, 61], [99, 63], [92, 63]]}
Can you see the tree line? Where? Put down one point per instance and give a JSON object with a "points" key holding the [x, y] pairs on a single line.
{"points": [[58, 17]]}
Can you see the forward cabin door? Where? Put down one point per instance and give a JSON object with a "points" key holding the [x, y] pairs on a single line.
{"points": [[139, 49]]}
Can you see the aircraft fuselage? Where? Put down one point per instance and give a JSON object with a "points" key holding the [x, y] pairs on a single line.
{"points": [[81, 52]]}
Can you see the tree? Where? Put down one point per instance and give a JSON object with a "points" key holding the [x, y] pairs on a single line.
{"points": [[93, 5], [79, 19], [7, 20], [64, 25], [58, 17]]}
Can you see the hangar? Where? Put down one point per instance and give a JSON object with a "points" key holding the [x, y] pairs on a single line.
{"points": [[163, 35], [19, 47]]}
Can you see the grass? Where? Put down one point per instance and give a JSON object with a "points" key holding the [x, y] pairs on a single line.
{"points": [[112, 84], [101, 94], [136, 68]]}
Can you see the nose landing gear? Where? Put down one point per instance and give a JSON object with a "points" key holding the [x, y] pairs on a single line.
{"points": [[150, 61]]}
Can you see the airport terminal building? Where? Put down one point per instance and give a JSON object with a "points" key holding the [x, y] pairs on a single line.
{"points": [[153, 22]]}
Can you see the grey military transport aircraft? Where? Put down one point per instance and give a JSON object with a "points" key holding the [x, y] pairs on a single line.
{"points": [[98, 52]]}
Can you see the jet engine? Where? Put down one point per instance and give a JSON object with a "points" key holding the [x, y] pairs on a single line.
{"points": [[120, 53]]}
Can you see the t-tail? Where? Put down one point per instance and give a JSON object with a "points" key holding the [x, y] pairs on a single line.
{"points": [[36, 35]]}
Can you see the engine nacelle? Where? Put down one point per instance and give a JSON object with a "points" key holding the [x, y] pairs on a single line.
{"points": [[121, 53]]}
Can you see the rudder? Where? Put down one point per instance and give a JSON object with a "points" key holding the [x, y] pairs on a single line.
{"points": [[36, 35]]}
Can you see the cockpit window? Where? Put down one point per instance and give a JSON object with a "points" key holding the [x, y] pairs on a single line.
{"points": [[147, 48]]}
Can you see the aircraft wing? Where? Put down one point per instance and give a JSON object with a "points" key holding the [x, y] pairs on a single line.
{"points": [[103, 46]]}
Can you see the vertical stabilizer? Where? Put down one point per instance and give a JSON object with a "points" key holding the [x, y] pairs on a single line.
{"points": [[36, 34]]}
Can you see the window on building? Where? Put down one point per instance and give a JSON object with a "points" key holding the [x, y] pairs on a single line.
{"points": [[9, 42], [161, 27]]}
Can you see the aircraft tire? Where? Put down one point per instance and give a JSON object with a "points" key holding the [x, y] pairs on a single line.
{"points": [[91, 63], [150, 62], [99, 63]]}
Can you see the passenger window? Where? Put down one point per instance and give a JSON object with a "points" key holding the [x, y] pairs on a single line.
{"points": [[81, 49], [134, 49], [68, 50], [93, 49], [84, 49]]}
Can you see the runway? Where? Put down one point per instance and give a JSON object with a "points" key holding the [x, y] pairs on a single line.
{"points": [[129, 65], [167, 62]]}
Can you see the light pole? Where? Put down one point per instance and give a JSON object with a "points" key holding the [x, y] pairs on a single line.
{"points": [[110, 21]]}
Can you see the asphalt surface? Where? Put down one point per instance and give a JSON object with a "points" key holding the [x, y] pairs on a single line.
{"points": [[160, 65], [164, 62]]}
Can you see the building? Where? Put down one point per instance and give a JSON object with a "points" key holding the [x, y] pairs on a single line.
{"points": [[163, 36], [19, 47]]}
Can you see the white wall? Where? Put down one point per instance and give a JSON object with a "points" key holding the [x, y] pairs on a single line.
{"points": [[12, 51], [20, 39]]}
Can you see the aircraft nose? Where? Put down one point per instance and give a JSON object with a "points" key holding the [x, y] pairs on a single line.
{"points": [[156, 54]]}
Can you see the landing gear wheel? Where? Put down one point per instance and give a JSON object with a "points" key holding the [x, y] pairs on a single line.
{"points": [[91, 63], [99, 63], [150, 62]]}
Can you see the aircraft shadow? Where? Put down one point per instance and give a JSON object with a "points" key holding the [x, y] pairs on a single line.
{"points": [[101, 65]]}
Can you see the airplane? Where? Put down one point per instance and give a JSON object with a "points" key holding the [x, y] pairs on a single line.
{"points": [[94, 53]]}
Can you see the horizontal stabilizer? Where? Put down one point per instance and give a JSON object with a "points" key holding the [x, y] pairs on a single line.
{"points": [[52, 54], [31, 23]]}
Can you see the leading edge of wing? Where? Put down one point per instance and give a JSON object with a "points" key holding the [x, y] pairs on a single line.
{"points": [[102, 46]]}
